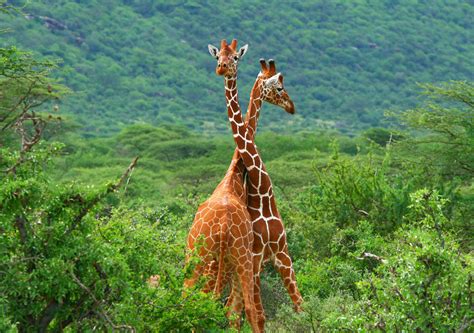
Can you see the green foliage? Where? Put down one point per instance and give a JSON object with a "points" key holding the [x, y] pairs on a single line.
{"points": [[146, 243], [344, 63], [382, 136], [72, 268], [423, 282], [352, 189], [67, 260], [426, 283], [447, 119], [348, 190], [25, 83]]}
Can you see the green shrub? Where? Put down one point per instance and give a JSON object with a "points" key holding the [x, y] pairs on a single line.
{"points": [[416, 280], [67, 262]]}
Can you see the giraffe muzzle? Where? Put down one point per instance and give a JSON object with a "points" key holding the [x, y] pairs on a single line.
{"points": [[221, 69], [290, 107]]}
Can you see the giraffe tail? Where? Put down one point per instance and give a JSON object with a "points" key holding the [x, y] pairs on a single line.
{"points": [[222, 252]]}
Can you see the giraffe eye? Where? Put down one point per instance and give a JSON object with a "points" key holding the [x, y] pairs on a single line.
{"points": [[236, 58], [279, 89]]}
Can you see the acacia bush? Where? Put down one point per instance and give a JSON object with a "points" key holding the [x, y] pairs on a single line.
{"points": [[67, 262], [347, 190], [419, 279]]}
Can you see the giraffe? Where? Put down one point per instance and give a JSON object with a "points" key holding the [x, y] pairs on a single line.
{"points": [[269, 234], [224, 223]]}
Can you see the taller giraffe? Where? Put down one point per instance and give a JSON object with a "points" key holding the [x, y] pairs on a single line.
{"points": [[224, 223], [269, 233]]}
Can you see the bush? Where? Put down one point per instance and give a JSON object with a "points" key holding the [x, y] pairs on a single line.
{"points": [[68, 262], [417, 280]]}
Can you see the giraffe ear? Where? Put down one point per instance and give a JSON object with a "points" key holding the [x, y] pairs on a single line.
{"points": [[243, 50], [213, 50], [272, 81]]}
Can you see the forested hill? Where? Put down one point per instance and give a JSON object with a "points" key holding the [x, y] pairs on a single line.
{"points": [[344, 62]]}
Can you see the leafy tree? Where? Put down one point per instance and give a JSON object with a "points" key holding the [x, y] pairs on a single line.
{"points": [[447, 122], [420, 280]]}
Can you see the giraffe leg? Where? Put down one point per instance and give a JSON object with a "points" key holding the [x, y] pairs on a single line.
{"points": [[235, 304], [242, 257], [210, 272], [257, 267], [284, 266], [245, 274], [198, 270]]}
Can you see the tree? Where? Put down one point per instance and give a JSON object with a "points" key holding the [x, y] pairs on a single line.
{"points": [[446, 123]]}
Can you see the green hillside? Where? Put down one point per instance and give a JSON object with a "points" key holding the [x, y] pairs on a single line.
{"points": [[147, 61]]}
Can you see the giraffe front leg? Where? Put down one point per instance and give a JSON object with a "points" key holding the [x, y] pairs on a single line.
{"points": [[284, 266]]}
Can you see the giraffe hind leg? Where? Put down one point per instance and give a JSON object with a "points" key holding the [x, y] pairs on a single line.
{"points": [[247, 283], [284, 266], [210, 273], [242, 256], [235, 304]]}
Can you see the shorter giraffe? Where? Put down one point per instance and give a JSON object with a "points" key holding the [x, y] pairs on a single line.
{"points": [[269, 232], [224, 224]]}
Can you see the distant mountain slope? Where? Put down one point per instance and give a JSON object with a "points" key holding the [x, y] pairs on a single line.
{"points": [[344, 62]]}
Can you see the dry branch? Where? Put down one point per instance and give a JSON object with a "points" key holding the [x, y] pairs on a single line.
{"points": [[101, 313], [111, 188], [367, 255]]}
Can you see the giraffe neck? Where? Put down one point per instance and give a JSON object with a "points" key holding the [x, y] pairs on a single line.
{"points": [[261, 201], [251, 120], [234, 178], [248, 128], [243, 136], [253, 110], [236, 173]]}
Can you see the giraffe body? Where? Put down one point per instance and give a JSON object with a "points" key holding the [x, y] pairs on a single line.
{"points": [[270, 243]]}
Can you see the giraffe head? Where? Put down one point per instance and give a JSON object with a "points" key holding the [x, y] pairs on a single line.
{"points": [[227, 57], [273, 90]]}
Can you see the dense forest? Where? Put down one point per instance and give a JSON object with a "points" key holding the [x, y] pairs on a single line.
{"points": [[373, 176], [146, 61]]}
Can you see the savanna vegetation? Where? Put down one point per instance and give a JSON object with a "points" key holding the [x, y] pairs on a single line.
{"points": [[379, 223]]}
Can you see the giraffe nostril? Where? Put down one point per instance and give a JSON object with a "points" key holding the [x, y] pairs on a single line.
{"points": [[225, 65]]}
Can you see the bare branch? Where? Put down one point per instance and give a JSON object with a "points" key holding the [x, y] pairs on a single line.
{"points": [[367, 255], [111, 188], [100, 312], [48, 315]]}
